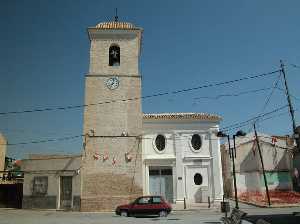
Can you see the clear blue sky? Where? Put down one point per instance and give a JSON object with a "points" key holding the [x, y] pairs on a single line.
{"points": [[44, 52]]}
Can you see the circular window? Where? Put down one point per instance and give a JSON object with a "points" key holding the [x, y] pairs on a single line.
{"points": [[198, 179], [160, 142], [196, 141]]}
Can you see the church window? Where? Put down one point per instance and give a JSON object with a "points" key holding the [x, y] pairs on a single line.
{"points": [[198, 179], [196, 141], [160, 142], [114, 55]]}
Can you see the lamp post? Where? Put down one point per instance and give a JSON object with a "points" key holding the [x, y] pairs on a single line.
{"points": [[232, 154]]}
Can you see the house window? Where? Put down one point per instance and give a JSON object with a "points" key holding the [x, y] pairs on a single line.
{"points": [[160, 142], [198, 179], [114, 55], [196, 141], [40, 185]]}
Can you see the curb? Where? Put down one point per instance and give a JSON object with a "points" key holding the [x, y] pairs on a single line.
{"points": [[272, 206]]}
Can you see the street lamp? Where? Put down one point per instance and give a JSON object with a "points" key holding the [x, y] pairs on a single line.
{"points": [[232, 156]]}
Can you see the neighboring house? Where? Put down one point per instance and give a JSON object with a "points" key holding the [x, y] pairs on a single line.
{"points": [[277, 158], [51, 182], [226, 172], [11, 179], [181, 157]]}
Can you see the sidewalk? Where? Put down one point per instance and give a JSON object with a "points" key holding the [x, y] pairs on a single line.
{"points": [[248, 208], [195, 207], [255, 210]]}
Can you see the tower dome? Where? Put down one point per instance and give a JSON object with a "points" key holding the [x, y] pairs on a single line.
{"points": [[115, 25]]}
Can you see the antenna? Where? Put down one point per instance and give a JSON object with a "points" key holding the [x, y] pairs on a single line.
{"points": [[116, 16]]}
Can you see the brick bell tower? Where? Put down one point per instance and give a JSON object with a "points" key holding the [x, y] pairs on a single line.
{"points": [[111, 170]]}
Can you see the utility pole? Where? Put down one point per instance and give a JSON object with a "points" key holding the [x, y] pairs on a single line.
{"points": [[233, 171], [262, 165], [288, 97]]}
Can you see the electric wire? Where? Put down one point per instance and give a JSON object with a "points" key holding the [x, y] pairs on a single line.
{"points": [[275, 85], [273, 89], [232, 94], [261, 121], [295, 66], [245, 123], [143, 97], [45, 140], [229, 127]]}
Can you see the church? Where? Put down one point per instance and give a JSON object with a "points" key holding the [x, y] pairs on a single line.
{"points": [[127, 153]]}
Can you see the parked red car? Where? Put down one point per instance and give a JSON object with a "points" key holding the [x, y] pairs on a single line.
{"points": [[146, 205]]}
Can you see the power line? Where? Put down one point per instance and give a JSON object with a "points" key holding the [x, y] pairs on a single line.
{"points": [[232, 94], [45, 141], [270, 95], [196, 98], [143, 97], [245, 123], [229, 127], [271, 117], [261, 120], [295, 66], [296, 98]]}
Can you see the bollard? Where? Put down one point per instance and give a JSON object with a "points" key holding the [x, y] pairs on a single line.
{"points": [[208, 198], [184, 203]]}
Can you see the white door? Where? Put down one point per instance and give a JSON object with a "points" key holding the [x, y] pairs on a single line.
{"points": [[197, 184], [161, 182], [154, 185]]}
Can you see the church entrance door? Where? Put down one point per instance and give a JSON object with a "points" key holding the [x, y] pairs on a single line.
{"points": [[161, 182], [197, 184]]}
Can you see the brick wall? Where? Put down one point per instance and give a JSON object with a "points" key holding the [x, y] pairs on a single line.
{"points": [[104, 184]]}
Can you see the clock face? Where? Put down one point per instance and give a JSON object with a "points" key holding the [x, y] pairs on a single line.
{"points": [[112, 83]]}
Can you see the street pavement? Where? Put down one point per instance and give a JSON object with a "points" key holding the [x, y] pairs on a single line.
{"points": [[14, 216], [193, 215], [288, 215]]}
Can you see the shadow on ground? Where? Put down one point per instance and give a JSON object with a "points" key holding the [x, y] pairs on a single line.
{"points": [[275, 219]]}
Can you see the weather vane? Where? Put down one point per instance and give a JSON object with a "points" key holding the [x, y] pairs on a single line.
{"points": [[116, 16]]}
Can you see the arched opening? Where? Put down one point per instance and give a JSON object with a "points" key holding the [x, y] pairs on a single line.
{"points": [[198, 179], [196, 142], [114, 55], [160, 142]]}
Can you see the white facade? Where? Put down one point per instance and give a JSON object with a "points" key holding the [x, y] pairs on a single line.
{"points": [[171, 172]]}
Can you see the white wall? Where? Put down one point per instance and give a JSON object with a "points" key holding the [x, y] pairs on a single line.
{"points": [[180, 154]]}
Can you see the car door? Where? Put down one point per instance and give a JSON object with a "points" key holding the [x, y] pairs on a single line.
{"points": [[141, 206], [156, 204]]}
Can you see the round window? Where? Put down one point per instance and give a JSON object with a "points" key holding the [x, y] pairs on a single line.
{"points": [[198, 179], [196, 141], [160, 142]]}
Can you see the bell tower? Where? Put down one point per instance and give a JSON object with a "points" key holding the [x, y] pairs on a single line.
{"points": [[111, 170]]}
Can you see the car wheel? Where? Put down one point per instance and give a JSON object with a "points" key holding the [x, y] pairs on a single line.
{"points": [[163, 213], [124, 213]]}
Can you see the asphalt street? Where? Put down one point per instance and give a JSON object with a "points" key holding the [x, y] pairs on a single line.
{"points": [[201, 216], [11, 216]]}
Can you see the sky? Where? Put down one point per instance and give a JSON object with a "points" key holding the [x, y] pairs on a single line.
{"points": [[44, 57]]}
